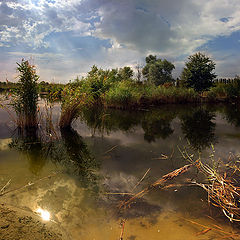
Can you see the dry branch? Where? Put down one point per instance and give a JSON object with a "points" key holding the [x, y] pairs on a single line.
{"points": [[158, 183]]}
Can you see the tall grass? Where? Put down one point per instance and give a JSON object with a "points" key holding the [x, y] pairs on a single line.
{"points": [[25, 97], [228, 92], [130, 94], [73, 99]]}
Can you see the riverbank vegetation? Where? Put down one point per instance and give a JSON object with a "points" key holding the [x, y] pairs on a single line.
{"points": [[154, 84], [124, 88]]}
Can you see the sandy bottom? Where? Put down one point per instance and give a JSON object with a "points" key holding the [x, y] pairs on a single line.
{"points": [[17, 225]]}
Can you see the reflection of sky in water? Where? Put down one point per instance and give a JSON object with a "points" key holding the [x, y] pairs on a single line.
{"points": [[84, 210], [44, 214]]}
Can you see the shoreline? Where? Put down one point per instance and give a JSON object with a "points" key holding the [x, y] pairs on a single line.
{"points": [[16, 223]]}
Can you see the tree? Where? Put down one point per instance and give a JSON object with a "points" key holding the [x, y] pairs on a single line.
{"points": [[125, 73], [198, 72], [158, 71]]}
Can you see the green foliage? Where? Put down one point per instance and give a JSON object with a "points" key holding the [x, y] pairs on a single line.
{"points": [[25, 96], [216, 92], [229, 91], [47, 90], [130, 94], [98, 81], [7, 86], [125, 73], [158, 71], [120, 94], [198, 72], [73, 99]]}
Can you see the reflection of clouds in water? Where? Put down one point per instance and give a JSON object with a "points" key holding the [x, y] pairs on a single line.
{"points": [[120, 182], [4, 144]]}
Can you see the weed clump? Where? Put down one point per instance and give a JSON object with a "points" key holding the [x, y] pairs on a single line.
{"points": [[73, 100]]}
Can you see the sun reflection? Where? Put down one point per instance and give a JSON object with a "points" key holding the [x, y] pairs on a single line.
{"points": [[44, 214]]}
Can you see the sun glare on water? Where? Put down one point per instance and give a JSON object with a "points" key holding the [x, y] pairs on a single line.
{"points": [[44, 214]]}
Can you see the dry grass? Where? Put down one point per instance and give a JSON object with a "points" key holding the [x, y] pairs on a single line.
{"points": [[223, 185], [71, 109]]}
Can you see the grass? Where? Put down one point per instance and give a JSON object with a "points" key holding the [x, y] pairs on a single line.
{"points": [[227, 92], [73, 99], [25, 97], [128, 94], [223, 186]]}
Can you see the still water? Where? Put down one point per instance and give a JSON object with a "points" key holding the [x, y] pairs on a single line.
{"points": [[79, 172]]}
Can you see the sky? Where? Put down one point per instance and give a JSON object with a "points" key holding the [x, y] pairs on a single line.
{"points": [[64, 38]]}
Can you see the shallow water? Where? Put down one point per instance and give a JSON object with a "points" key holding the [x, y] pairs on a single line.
{"points": [[108, 152]]}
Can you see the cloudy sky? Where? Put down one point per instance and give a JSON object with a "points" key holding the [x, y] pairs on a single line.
{"points": [[64, 38]]}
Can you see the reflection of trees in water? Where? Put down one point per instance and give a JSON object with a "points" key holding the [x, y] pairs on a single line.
{"points": [[198, 127], [155, 123], [70, 151], [108, 120], [28, 142], [77, 153], [160, 128], [196, 122], [232, 114]]}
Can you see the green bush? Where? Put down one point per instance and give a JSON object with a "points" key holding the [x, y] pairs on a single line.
{"points": [[228, 91]]}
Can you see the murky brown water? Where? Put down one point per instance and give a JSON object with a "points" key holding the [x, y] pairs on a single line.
{"points": [[108, 152]]}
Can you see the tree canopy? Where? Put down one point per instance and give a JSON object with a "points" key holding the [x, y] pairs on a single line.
{"points": [[158, 71], [198, 72]]}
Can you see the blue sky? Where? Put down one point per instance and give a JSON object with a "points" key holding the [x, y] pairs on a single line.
{"points": [[64, 38]]}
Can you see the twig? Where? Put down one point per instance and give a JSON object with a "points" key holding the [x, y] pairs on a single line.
{"points": [[145, 174], [110, 150], [5, 186], [28, 185], [159, 182], [122, 231], [119, 193], [213, 228]]}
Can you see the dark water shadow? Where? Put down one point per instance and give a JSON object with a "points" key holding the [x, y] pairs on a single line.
{"points": [[69, 151]]}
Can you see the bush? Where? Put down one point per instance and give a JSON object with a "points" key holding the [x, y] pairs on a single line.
{"points": [[228, 91]]}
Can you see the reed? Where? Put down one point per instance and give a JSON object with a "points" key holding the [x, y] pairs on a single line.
{"points": [[25, 97], [223, 187], [73, 99]]}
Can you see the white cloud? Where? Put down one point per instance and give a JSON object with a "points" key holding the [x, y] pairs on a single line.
{"points": [[167, 25], [36, 21]]}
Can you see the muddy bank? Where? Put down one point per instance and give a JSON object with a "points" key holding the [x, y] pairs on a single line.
{"points": [[16, 224]]}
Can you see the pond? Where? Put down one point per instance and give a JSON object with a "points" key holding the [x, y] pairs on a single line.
{"points": [[81, 176]]}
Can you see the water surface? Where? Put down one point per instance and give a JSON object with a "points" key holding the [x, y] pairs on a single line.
{"points": [[108, 152]]}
